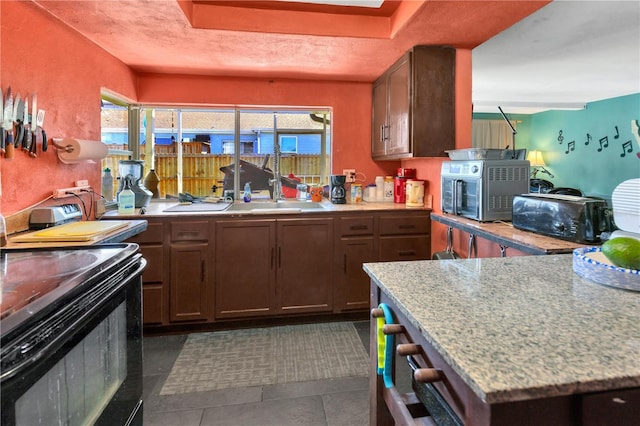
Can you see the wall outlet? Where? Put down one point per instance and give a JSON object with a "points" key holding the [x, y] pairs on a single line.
{"points": [[67, 192], [350, 174], [82, 182]]}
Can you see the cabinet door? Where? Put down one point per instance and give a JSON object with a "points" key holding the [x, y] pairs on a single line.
{"points": [[189, 301], [399, 141], [245, 268], [154, 303], [304, 257], [352, 283], [379, 118], [155, 291]]}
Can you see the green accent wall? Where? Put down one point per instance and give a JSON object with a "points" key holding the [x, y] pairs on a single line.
{"points": [[598, 167], [595, 168]]}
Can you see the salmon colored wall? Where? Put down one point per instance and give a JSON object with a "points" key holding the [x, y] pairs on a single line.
{"points": [[40, 55], [351, 103]]}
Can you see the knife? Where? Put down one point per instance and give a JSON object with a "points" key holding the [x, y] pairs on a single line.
{"points": [[1, 123], [32, 132], [25, 124], [40, 129], [18, 113], [8, 124]]}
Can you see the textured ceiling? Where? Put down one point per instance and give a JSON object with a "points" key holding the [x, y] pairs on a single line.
{"points": [[567, 51]]}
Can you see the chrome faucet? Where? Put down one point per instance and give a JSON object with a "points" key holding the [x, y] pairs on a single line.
{"points": [[276, 182]]}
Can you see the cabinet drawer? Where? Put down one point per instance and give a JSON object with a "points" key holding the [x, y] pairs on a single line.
{"points": [[601, 408], [190, 231], [405, 224], [153, 234], [411, 247], [356, 225]]}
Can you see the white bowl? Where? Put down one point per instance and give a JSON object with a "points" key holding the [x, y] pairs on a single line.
{"points": [[591, 264]]}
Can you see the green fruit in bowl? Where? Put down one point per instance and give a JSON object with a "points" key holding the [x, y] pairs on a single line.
{"points": [[623, 252]]}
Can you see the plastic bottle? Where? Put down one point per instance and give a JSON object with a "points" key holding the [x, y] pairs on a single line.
{"points": [[126, 200], [388, 188], [379, 188], [247, 193], [107, 185]]}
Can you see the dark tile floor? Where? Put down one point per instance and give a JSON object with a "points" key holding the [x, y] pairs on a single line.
{"points": [[337, 402]]}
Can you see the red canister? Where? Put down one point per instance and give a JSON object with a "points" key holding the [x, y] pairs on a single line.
{"points": [[407, 173], [399, 188]]}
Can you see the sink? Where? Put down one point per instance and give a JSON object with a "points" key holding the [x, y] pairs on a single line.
{"points": [[280, 207]]}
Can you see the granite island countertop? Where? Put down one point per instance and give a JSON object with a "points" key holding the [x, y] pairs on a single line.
{"points": [[519, 328]]}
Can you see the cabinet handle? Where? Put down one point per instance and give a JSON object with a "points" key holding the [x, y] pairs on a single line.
{"points": [[358, 227], [393, 328], [406, 226], [382, 133], [407, 253], [279, 257], [188, 233], [427, 375], [272, 257], [377, 313], [344, 264], [407, 349]]}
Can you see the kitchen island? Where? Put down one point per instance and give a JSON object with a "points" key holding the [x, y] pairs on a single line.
{"points": [[519, 340]]}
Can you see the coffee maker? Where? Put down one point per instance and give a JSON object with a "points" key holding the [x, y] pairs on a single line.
{"points": [[338, 193], [131, 172]]}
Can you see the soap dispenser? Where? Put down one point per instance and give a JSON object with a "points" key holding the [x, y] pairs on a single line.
{"points": [[247, 192], [126, 199]]}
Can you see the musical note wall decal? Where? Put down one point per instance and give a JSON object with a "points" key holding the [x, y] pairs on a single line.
{"points": [[617, 135], [604, 143], [560, 137], [588, 139], [629, 148], [571, 146]]}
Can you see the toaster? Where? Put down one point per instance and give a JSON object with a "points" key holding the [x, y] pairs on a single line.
{"points": [[567, 217]]}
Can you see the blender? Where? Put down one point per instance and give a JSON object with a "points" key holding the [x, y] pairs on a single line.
{"points": [[131, 172]]}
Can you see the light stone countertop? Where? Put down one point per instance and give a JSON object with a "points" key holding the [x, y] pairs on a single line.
{"points": [[157, 208], [522, 327]]}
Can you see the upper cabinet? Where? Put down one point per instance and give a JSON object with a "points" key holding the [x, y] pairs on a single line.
{"points": [[414, 105]]}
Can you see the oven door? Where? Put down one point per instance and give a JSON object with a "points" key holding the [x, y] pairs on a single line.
{"points": [[84, 363], [461, 196]]}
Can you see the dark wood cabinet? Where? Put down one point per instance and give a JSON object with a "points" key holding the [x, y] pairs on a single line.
{"points": [[413, 108], [304, 257], [190, 260], [155, 288], [404, 236], [355, 246], [204, 270], [269, 267], [245, 270]]}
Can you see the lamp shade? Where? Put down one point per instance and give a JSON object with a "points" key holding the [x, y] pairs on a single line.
{"points": [[535, 158]]}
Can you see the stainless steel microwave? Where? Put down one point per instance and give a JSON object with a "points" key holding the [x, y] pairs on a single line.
{"points": [[483, 190]]}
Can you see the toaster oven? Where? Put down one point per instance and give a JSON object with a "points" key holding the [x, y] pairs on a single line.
{"points": [[567, 217], [483, 190]]}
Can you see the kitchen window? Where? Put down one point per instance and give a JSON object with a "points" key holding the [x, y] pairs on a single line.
{"points": [[194, 149]]}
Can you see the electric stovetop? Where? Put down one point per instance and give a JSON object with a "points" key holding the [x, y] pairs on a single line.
{"points": [[34, 280]]}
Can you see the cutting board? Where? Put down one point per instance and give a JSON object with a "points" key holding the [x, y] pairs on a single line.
{"points": [[72, 232]]}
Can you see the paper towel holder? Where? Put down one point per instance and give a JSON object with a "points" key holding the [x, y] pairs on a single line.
{"points": [[65, 148], [74, 151]]}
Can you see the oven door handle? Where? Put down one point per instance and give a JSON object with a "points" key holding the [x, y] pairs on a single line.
{"points": [[56, 341], [456, 195]]}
